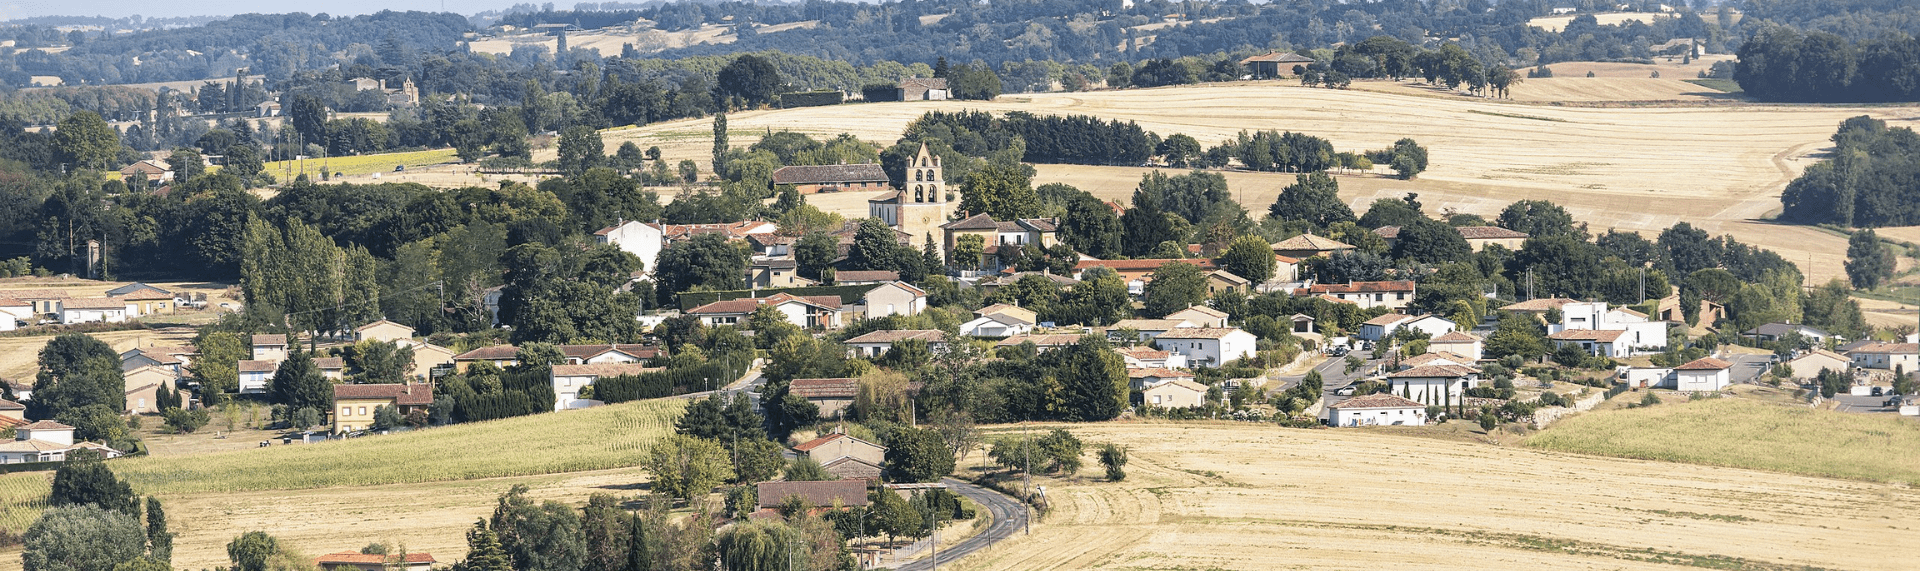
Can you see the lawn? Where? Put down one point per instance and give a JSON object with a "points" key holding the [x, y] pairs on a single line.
{"points": [[362, 164], [1745, 434]]}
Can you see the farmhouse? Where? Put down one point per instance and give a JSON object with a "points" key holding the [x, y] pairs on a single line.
{"points": [[809, 179], [874, 344], [355, 405], [1703, 374], [809, 312], [93, 310], [844, 455], [1276, 64], [152, 171], [1308, 245], [568, 380], [355, 561], [1393, 295], [1377, 410], [1175, 393], [923, 89], [1208, 346], [1811, 364], [143, 388], [143, 299], [1458, 343], [832, 396], [1433, 385], [1886, 356]]}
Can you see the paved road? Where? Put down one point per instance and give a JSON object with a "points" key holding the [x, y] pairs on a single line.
{"points": [[1747, 368], [1333, 375], [1009, 516]]}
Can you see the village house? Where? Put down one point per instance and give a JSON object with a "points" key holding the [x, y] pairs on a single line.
{"points": [[1776, 331], [1479, 237], [810, 179], [331, 368], [46, 441], [1705, 374], [1459, 343], [1434, 385], [355, 561], [255, 375], [1042, 343], [93, 310], [776, 273], [569, 381], [1175, 393], [12, 411], [1201, 316], [1276, 64], [1150, 358], [270, 348], [1599, 343], [876, 343], [865, 277], [144, 385], [45, 302], [500, 356], [771, 245], [143, 300], [1308, 246], [1435, 358], [832, 396], [893, 298], [615, 353], [1208, 346], [1393, 295], [1538, 307], [1222, 281], [354, 405], [996, 325], [1887, 356], [1147, 329], [382, 331], [1377, 410], [152, 171], [430, 360], [644, 241], [1808, 366], [845, 456], [807, 312], [1640, 333], [174, 359], [1140, 379], [1385, 326]]}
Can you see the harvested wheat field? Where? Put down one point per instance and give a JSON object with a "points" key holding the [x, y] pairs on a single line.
{"points": [[1260, 497], [1556, 23], [1633, 168]]}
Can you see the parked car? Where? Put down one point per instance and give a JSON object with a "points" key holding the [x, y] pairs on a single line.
{"points": [[1877, 391], [1892, 402], [399, 168]]}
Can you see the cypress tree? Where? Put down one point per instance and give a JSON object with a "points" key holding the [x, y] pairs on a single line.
{"points": [[159, 540]]}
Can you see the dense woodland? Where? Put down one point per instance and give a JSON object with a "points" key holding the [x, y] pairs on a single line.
{"points": [[1870, 181]]}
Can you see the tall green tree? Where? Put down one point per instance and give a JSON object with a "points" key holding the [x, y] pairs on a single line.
{"points": [[217, 366], [76, 371], [999, 190], [1093, 379], [719, 150], [705, 261], [90, 482], [1313, 198], [1249, 257], [298, 383], [251, 551], [917, 455], [580, 149], [159, 540], [1176, 285], [82, 538], [1145, 226], [1869, 263], [84, 140], [751, 79], [483, 551], [1090, 227], [686, 467], [1430, 241], [1541, 218], [542, 537]]}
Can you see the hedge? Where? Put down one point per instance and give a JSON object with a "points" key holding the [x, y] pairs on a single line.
{"points": [[811, 99], [718, 371]]}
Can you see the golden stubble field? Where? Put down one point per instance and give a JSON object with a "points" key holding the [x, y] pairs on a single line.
{"points": [[1234, 496], [1641, 168]]}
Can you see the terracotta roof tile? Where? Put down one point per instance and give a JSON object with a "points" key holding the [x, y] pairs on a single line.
{"points": [[1379, 401], [897, 335], [413, 394], [94, 303], [1198, 332], [252, 366], [603, 370], [1435, 371], [866, 276], [46, 425], [1395, 286], [1311, 242], [1596, 335], [489, 353], [1704, 364], [1140, 265], [1455, 337], [275, 339], [824, 388], [818, 494]]}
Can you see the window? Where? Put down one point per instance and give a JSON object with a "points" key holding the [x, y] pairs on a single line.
{"points": [[363, 411], [346, 410]]}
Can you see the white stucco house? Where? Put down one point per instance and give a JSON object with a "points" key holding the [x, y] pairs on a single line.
{"points": [[93, 310], [1150, 358], [1641, 335], [1458, 343], [1886, 356], [569, 379], [644, 241], [995, 325], [1201, 316], [807, 312], [1433, 385], [1704, 374], [1377, 410], [893, 298], [1597, 342], [255, 375], [1176, 393], [877, 343], [46, 441], [1386, 325], [1208, 346]]}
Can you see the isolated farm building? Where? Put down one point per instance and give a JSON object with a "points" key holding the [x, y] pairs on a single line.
{"points": [[836, 445], [809, 179], [1308, 245], [876, 343], [832, 396], [1886, 356], [331, 368], [1141, 379], [1776, 331], [1393, 295], [568, 380], [1377, 410], [1150, 358], [93, 310], [356, 561], [1276, 64], [1042, 343], [1208, 346], [1809, 365], [255, 375], [809, 312], [1201, 316], [143, 299], [272, 348], [923, 89], [1458, 343], [1147, 329], [1175, 393], [267, 109], [382, 330], [827, 494], [893, 298], [1479, 237], [1648, 377], [1703, 374], [644, 241], [354, 405], [1434, 385]]}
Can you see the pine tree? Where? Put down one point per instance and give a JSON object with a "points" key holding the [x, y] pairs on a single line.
{"points": [[484, 552], [639, 545]]}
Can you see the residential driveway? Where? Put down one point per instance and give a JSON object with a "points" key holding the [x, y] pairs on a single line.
{"points": [[1747, 368], [1009, 517], [1333, 376], [1850, 403]]}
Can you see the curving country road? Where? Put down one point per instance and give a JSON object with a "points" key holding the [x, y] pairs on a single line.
{"points": [[1009, 516]]}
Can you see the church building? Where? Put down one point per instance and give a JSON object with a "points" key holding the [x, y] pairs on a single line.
{"points": [[919, 207]]}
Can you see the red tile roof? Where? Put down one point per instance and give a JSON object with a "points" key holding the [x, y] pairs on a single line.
{"points": [[1435, 371], [603, 370], [252, 366], [259, 340], [94, 303], [1704, 364], [1455, 337], [866, 276], [1140, 265], [1540, 305], [1198, 333], [824, 388], [748, 304], [898, 335], [1378, 401], [1158, 373], [413, 394], [1278, 57], [843, 492], [1365, 287], [490, 353], [1597, 335], [46, 425]]}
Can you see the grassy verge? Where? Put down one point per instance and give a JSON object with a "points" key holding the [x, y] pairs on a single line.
{"points": [[1721, 85], [1741, 433], [365, 164]]}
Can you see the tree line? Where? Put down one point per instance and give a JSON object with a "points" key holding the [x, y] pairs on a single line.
{"points": [[1866, 183], [1784, 64]]}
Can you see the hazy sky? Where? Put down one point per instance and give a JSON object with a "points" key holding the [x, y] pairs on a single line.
{"points": [[10, 9]]}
